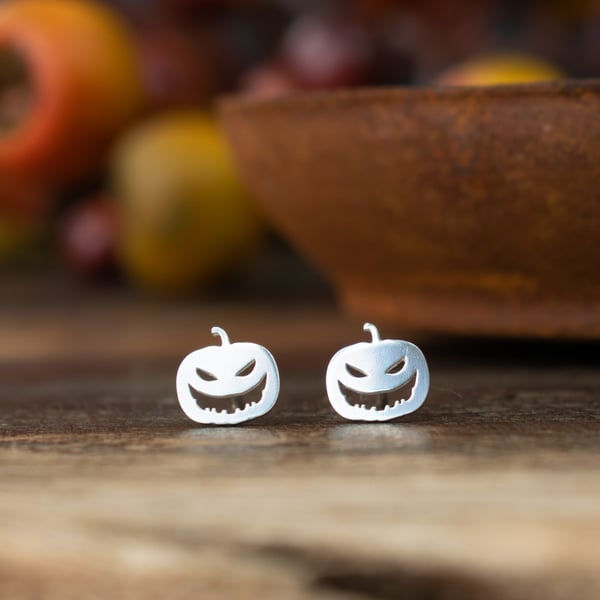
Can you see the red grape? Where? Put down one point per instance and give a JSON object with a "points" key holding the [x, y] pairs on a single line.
{"points": [[88, 238], [327, 52]]}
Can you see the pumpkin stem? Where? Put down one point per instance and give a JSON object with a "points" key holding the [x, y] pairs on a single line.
{"points": [[373, 331], [218, 332]]}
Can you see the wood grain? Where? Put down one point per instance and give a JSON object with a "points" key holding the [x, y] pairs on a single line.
{"points": [[492, 490]]}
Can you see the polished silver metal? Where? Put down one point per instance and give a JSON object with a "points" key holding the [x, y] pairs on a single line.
{"points": [[367, 381], [216, 384]]}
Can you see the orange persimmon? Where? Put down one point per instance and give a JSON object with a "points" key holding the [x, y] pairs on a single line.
{"points": [[69, 81]]}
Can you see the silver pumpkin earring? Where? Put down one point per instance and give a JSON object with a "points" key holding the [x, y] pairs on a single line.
{"points": [[227, 384], [378, 380]]}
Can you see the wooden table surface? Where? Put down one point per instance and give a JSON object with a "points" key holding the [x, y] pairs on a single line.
{"points": [[491, 490]]}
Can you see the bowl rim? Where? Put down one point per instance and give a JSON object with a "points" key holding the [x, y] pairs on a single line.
{"points": [[361, 95]]}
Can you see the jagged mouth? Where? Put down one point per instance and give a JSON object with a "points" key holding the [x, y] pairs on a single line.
{"points": [[230, 405], [377, 402]]}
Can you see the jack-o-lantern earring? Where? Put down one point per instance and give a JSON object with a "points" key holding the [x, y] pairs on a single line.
{"points": [[378, 380], [227, 384]]}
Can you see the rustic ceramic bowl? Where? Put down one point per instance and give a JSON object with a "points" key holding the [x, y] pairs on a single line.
{"points": [[465, 210]]}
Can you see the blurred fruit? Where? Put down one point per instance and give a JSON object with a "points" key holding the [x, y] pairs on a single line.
{"points": [[24, 198], [327, 52], [69, 80], [267, 81], [24, 208], [88, 238], [18, 237], [500, 68], [177, 71], [185, 216]]}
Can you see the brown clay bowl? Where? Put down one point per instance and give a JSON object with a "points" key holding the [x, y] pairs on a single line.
{"points": [[454, 210]]}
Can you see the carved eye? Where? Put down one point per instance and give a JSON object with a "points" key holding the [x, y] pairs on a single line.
{"points": [[396, 367], [355, 371], [247, 369], [205, 375]]}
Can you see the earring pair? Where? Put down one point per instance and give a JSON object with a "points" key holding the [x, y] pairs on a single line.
{"points": [[231, 383]]}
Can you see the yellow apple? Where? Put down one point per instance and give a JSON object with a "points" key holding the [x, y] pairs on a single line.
{"points": [[185, 216], [500, 68]]}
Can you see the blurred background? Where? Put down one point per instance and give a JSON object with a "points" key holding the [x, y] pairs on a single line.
{"points": [[113, 166]]}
